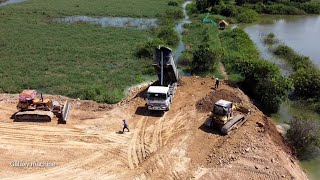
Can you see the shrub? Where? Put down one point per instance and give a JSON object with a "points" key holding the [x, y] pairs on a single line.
{"points": [[295, 60], [304, 135], [174, 14], [274, 90], [228, 11], [300, 1], [146, 50], [310, 7], [307, 83], [202, 5], [270, 39], [282, 9], [246, 15], [192, 8], [168, 35], [204, 59], [172, 3], [185, 59]]}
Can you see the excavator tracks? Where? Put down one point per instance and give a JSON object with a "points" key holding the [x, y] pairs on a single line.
{"points": [[34, 116]]}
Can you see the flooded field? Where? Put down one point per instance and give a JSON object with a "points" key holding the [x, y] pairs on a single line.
{"points": [[138, 23], [12, 2]]}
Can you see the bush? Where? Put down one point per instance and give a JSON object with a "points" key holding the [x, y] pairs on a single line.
{"points": [[282, 9], [168, 35], [185, 59], [172, 3], [307, 83], [304, 135], [295, 60], [274, 90], [283, 51], [174, 14], [203, 5], [192, 8], [247, 15], [228, 11], [146, 50], [310, 7], [300, 1], [204, 59], [270, 39]]}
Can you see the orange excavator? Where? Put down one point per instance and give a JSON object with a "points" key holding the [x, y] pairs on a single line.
{"points": [[32, 108]]}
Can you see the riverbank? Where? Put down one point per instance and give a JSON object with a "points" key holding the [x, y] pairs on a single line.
{"points": [[302, 39]]}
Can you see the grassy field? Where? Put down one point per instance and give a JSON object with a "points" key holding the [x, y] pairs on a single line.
{"points": [[77, 60]]}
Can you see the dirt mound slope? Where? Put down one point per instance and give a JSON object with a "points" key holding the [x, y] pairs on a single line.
{"points": [[206, 104], [171, 145]]}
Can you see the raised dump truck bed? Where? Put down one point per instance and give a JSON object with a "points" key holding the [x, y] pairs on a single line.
{"points": [[167, 72], [163, 56]]}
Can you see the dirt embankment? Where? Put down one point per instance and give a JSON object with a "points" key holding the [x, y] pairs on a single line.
{"points": [[173, 145]]}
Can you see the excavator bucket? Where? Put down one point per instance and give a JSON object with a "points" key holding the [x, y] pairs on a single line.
{"points": [[65, 111]]}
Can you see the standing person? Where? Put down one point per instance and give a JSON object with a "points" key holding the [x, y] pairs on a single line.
{"points": [[217, 83], [125, 126]]}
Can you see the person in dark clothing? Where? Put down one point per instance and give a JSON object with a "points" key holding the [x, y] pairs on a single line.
{"points": [[125, 126], [217, 83]]}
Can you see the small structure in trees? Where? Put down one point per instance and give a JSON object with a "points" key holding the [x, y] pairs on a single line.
{"points": [[222, 24]]}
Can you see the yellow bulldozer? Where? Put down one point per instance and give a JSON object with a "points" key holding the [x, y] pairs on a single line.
{"points": [[31, 108], [227, 116]]}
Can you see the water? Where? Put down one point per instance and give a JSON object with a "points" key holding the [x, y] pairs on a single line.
{"points": [[298, 32], [137, 23], [179, 29], [12, 2], [257, 34], [302, 34]]}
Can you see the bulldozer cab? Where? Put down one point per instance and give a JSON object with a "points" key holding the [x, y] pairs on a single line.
{"points": [[223, 108]]}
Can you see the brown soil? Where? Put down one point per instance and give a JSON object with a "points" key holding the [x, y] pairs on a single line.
{"points": [[173, 145]]}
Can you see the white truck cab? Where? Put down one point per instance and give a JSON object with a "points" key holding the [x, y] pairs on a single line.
{"points": [[159, 98]]}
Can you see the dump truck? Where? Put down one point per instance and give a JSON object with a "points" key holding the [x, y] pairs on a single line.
{"points": [[227, 116], [31, 108], [160, 96]]}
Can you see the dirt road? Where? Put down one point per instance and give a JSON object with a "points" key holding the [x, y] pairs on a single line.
{"points": [[173, 145]]}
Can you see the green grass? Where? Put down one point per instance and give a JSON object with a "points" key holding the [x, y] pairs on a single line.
{"points": [[76, 60], [123, 8]]}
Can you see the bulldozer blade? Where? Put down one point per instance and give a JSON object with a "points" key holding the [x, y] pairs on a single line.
{"points": [[66, 110]]}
